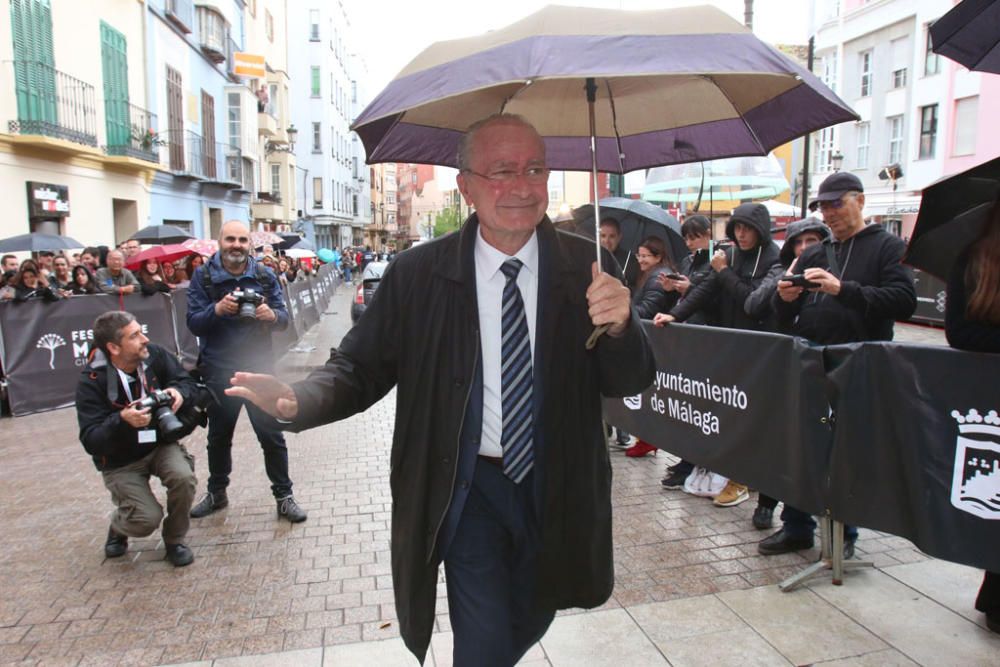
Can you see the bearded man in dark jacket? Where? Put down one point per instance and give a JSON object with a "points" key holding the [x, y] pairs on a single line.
{"points": [[124, 441], [861, 289], [524, 525]]}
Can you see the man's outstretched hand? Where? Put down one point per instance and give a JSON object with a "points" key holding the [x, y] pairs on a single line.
{"points": [[266, 392]]}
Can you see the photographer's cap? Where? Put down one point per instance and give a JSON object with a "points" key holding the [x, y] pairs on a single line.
{"points": [[836, 186]]}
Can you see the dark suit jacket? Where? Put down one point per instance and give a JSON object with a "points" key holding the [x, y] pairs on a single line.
{"points": [[420, 334]]}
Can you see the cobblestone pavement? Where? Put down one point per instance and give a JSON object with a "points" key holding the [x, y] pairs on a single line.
{"points": [[262, 586]]}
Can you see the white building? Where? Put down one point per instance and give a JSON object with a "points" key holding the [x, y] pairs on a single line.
{"points": [[919, 111], [336, 194]]}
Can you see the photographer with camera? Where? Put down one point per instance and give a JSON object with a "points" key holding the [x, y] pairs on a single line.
{"points": [[126, 402], [234, 303]]}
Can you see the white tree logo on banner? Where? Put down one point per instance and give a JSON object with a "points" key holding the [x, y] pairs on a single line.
{"points": [[975, 486], [50, 342]]}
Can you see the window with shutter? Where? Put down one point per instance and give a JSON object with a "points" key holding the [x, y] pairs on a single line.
{"points": [[114, 62], [34, 64]]}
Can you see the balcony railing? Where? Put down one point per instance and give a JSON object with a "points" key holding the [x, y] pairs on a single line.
{"points": [[132, 131], [187, 155], [52, 104], [228, 162]]}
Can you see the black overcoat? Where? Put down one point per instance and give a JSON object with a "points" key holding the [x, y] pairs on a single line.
{"points": [[420, 333]]}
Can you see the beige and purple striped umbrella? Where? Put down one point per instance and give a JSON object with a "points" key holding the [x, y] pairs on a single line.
{"points": [[672, 86]]}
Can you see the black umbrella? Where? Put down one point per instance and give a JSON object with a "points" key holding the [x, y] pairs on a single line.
{"points": [[161, 234], [952, 214], [638, 220], [969, 34], [37, 241], [287, 241], [302, 244]]}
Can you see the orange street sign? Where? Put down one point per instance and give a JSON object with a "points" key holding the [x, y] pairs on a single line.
{"points": [[249, 64]]}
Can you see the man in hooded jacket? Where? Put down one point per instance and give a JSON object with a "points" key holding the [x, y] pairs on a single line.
{"points": [[861, 288], [736, 272]]}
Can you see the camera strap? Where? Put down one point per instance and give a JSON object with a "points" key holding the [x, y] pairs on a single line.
{"points": [[127, 381]]}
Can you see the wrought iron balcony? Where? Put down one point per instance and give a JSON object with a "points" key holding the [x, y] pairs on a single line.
{"points": [[228, 162], [52, 104], [131, 131], [187, 156]]}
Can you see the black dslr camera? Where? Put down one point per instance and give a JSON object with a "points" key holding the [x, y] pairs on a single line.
{"points": [[248, 300], [159, 402]]}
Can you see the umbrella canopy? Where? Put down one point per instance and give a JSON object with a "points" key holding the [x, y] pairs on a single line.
{"points": [[969, 34], [952, 214], [672, 86], [161, 253], [37, 241], [299, 253], [638, 221], [729, 179], [287, 240], [204, 247], [302, 244], [161, 234], [261, 238]]}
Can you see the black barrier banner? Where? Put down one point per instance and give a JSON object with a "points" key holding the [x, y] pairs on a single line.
{"points": [[917, 447], [300, 294], [187, 342], [46, 344], [747, 405]]}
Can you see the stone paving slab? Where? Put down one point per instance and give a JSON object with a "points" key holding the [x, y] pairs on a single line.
{"points": [[262, 587]]}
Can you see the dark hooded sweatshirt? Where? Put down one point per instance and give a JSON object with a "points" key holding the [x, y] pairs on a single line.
{"points": [[876, 289], [758, 304], [726, 291]]}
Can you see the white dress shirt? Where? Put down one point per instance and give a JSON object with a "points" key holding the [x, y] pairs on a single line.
{"points": [[490, 282]]}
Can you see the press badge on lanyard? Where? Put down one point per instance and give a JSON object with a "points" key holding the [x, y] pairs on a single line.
{"points": [[147, 436]]}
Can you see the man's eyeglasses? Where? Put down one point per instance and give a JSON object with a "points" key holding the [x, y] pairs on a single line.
{"points": [[534, 175]]}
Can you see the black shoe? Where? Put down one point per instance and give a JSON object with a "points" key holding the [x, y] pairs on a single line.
{"points": [[179, 555], [781, 543], [116, 545], [849, 547], [289, 509], [212, 502], [993, 621], [763, 517], [674, 480]]}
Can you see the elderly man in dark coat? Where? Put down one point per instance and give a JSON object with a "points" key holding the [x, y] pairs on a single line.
{"points": [[498, 464]]}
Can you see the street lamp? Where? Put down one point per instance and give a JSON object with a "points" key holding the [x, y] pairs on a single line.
{"points": [[837, 160], [272, 147]]}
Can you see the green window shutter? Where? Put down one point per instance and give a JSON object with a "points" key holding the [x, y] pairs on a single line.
{"points": [[114, 63], [34, 73]]}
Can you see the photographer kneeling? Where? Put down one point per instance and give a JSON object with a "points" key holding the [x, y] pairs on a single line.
{"points": [[126, 404]]}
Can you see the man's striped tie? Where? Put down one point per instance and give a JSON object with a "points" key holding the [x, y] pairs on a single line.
{"points": [[515, 379]]}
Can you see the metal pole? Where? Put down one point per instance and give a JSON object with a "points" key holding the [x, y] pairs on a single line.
{"points": [[806, 138]]}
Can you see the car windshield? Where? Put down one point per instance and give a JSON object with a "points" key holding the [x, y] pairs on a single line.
{"points": [[374, 270]]}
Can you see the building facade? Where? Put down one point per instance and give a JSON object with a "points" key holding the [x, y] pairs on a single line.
{"points": [[923, 117], [335, 184], [75, 156]]}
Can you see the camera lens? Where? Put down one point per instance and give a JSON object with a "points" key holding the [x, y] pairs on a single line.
{"points": [[248, 310], [167, 422]]}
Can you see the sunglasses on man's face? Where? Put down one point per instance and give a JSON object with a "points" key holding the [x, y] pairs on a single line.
{"points": [[834, 204]]}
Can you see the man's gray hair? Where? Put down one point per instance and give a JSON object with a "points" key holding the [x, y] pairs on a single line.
{"points": [[466, 142], [108, 328]]}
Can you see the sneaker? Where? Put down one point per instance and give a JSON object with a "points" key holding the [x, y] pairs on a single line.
{"points": [[849, 547], [734, 494], [116, 545], [674, 480], [212, 502], [621, 444], [781, 543], [289, 509], [179, 555], [763, 517]]}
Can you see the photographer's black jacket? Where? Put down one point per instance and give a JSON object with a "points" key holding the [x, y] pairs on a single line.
{"points": [[109, 439]]}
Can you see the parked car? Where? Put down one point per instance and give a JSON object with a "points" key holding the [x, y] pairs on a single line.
{"points": [[366, 288]]}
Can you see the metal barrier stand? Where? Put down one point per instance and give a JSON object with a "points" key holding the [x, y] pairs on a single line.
{"points": [[831, 557]]}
